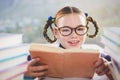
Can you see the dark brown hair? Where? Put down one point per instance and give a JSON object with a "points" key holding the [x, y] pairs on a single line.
{"points": [[61, 13]]}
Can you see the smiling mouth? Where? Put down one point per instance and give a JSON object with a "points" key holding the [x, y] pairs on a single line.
{"points": [[73, 43]]}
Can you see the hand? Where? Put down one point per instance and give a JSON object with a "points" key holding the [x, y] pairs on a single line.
{"points": [[101, 68], [36, 70]]}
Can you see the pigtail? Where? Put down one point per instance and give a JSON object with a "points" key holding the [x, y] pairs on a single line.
{"points": [[90, 19], [47, 25]]}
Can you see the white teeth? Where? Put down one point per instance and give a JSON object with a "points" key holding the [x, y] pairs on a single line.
{"points": [[73, 42]]}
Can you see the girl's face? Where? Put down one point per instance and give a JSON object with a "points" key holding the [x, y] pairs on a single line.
{"points": [[72, 21]]}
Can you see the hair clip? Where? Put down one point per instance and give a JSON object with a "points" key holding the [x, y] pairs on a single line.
{"points": [[86, 14], [51, 19]]}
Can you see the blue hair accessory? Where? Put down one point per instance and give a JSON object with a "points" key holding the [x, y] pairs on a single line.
{"points": [[51, 19], [86, 14]]}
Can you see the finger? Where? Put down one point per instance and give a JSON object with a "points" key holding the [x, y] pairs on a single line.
{"points": [[103, 72], [39, 78], [42, 77], [102, 69], [38, 74], [34, 61], [99, 62], [38, 68]]}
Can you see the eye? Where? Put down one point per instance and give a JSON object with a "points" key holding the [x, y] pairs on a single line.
{"points": [[80, 29], [65, 30]]}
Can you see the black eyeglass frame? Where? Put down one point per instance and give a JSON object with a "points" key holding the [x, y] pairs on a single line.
{"points": [[75, 29]]}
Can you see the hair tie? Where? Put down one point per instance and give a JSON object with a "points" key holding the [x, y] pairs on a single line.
{"points": [[51, 19], [86, 14]]}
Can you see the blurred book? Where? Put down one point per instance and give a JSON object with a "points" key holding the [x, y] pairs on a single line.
{"points": [[14, 72], [110, 44], [9, 40], [14, 51], [13, 56], [113, 54], [111, 40], [18, 77], [14, 61], [112, 33], [60, 61]]}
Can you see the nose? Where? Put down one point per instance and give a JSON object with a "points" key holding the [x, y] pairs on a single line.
{"points": [[73, 34]]}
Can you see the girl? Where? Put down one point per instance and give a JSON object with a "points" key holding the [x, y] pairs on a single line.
{"points": [[71, 26]]}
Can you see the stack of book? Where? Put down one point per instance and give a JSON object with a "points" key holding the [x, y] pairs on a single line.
{"points": [[13, 56], [8, 40], [111, 39]]}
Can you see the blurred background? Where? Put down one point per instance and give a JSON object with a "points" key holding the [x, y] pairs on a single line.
{"points": [[28, 17], [22, 22]]}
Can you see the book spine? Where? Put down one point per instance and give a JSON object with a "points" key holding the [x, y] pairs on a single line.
{"points": [[13, 52], [9, 40], [13, 57], [113, 54], [17, 77], [13, 61], [111, 39], [111, 35], [111, 44], [13, 72]]}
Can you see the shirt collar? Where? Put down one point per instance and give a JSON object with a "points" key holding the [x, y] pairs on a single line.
{"points": [[61, 46]]}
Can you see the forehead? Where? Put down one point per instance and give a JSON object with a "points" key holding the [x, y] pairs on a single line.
{"points": [[71, 20]]}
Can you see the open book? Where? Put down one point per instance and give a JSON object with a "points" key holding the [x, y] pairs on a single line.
{"points": [[64, 63]]}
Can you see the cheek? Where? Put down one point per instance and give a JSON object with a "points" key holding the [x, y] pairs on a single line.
{"points": [[62, 38]]}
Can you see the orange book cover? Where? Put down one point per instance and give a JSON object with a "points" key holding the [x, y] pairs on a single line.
{"points": [[66, 63]]}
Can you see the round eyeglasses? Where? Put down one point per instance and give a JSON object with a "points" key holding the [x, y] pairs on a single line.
{"points": [[79, 30]]}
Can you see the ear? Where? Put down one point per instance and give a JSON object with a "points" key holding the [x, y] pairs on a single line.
{"points": [[55, 32]]}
